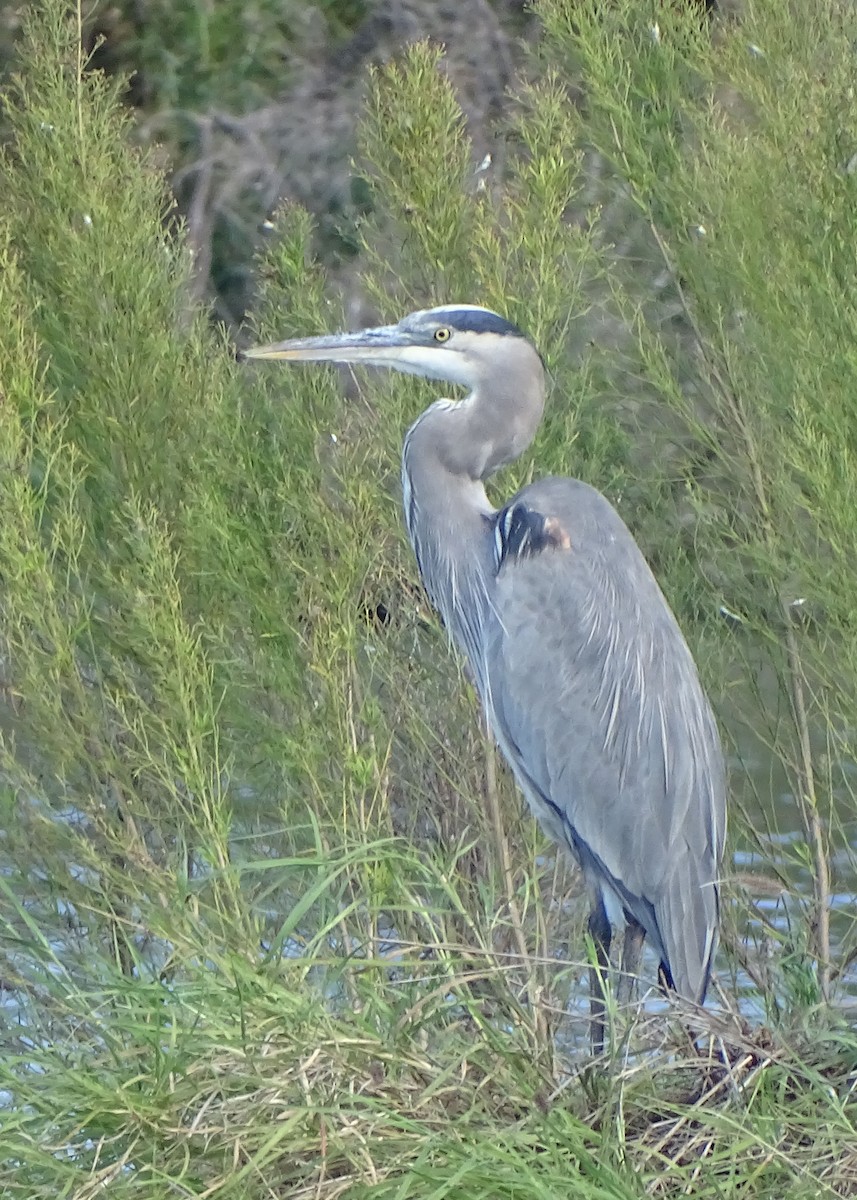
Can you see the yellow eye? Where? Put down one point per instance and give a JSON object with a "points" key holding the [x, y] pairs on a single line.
{"points": [[442, 335]]}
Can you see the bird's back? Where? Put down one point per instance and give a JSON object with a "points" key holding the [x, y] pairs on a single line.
{"points": [[595, 699]]}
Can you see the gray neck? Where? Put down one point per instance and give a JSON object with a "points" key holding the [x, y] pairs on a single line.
{"points": [[498, 420], [448, 521], [447, 454]]}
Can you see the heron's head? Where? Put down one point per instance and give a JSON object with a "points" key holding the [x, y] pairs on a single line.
{"points": [[460, 343]]}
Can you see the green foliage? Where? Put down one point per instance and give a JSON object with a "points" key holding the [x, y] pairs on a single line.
{"points": [[435, 238], [189, 57], [735, 154], [269, 923]]}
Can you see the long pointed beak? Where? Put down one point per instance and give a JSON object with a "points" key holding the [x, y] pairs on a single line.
{"points": [[381, 347]]}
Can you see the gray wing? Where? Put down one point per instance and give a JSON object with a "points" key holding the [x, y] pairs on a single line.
{"points": [[595, 699]]}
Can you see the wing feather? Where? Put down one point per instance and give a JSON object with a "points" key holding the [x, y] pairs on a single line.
{"points": [[596, 701]]}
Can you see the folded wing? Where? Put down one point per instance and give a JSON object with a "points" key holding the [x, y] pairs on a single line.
{"points": [[595, 699]]}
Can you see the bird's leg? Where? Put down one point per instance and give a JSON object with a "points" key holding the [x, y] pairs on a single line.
{"points": [[632, 950], [599, 931]]}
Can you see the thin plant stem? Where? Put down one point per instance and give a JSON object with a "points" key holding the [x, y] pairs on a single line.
{"points": [[806, 790]]}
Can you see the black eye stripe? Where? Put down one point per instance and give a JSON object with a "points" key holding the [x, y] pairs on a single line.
{"points": [[477, 320]]}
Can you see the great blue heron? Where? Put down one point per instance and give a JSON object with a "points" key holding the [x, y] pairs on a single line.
{"points": [[586, 680]]}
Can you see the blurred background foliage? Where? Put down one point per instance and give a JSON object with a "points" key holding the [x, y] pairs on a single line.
{"points": [[272, 919], [253, 103]]}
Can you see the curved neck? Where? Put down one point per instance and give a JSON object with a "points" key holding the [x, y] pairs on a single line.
{"points": [[446, 510], [447, 454], [496, 423], [448, 518]]}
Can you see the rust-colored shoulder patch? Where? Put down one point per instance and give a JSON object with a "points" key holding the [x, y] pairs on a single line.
{"points": [[521, 532], [556, 534]]}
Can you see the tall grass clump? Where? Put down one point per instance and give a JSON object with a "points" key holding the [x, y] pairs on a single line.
{"points": [[272, 921]]}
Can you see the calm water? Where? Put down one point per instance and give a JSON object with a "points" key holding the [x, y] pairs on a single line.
{"points": [[772, 868]]}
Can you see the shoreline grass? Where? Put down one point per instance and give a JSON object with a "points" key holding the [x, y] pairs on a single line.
{"points": [[330, 1073]]}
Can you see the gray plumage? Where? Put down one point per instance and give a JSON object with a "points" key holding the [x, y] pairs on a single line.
{"points": [[587, 682]]}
